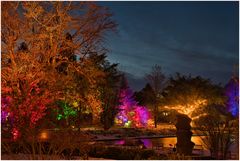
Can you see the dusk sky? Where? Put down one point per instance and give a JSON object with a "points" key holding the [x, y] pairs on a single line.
{"points": [[198, 38]]}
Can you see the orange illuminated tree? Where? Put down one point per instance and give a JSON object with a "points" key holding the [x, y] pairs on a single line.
{"points": [[45, 56], [187, 94]]}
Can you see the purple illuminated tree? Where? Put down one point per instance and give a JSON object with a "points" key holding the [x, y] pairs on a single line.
{"points": [[127, 104], [131, 114], [232, 93]]}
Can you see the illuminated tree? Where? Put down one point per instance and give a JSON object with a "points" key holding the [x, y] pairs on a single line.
{"points": [[131, 114], [45, 56], [27, 99], [65, 111], [186, 94], [157, 81], [126, 104], [232, 93]]}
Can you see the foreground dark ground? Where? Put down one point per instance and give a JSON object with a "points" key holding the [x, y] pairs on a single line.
{"points": [[92, 143]]}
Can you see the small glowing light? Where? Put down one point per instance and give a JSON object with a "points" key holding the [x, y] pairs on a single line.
{"points": [[75, 104], [165, 113], [59, 116], [44, 135], [127, 124], [15, 133]]}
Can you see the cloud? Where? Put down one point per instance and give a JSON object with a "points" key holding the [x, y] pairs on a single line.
{"points": [[181, 37]]}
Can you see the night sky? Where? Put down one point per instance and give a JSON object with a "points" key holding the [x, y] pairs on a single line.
{"points": [[198, 38]]}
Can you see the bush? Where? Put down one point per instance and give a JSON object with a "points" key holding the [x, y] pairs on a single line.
{"points": [[60, 145], [159, 157], [127, 154], [120, 153], [145, 154], [112, 152]]}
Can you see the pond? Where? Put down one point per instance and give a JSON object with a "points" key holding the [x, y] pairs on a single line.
{"points": [[152, 142], [169, 142]]}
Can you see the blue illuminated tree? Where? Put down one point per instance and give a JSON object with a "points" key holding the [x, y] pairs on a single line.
{"points": [[232, 92]]}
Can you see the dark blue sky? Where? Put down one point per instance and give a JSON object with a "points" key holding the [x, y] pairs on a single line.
{"points": [[200, 38]]}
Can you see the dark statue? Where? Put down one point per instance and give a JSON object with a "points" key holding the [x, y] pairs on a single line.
{"points": [[184, 144]]}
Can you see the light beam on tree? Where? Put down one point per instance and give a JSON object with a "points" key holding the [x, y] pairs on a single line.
{"points": [[188, 109]]}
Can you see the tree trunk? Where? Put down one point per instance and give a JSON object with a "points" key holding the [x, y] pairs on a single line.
{"points": [[67, 122], [155, 115]]}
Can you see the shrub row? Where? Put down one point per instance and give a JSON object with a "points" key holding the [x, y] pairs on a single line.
{"points": [[120, 153]]}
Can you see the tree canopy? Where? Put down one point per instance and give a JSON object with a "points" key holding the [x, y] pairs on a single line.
{"points": [[186, 94], [46, 56]]}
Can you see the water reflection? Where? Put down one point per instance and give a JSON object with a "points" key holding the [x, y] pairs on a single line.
{"points": [[171, 141], [167, 142], [119, 142], [147, 143]]}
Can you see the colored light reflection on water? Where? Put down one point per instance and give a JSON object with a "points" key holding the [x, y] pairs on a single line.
{"points": [[147, 143], [119, 142], [167, 142], [170, 142]]}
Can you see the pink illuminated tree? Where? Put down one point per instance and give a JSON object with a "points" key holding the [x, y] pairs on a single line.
{"points": [[131, 114]]}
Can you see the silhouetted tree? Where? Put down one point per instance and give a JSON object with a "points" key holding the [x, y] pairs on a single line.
{"points": [[110, 94], [157, 81], [219, 130], [145, 97]]}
